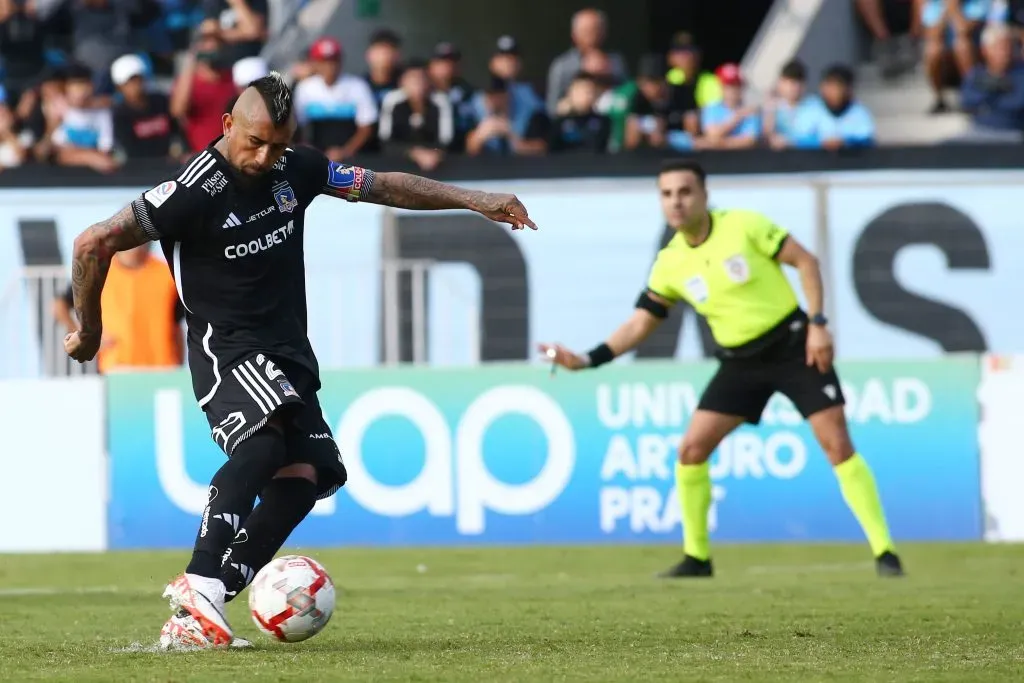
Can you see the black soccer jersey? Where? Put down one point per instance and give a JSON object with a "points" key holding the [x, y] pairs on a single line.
{"points": [[235, 248]]}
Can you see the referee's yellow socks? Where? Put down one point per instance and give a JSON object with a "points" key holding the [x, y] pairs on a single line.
{"points": [[693, 484], [861, 494]]}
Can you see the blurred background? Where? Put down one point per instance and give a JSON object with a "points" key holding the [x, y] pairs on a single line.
{"points": [[884, 134]]}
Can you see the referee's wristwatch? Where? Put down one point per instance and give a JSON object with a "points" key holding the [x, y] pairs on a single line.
{"points": [[819, 319]]}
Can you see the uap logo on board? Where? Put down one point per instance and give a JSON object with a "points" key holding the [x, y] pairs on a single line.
{"points": [[455, 481]]}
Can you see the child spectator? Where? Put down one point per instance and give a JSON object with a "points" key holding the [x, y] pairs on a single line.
{"points": [[580, 126], [835, 119], [384, 63], [780, 112], [729, 124], [415, 121], [85, 136], [41, 109]]}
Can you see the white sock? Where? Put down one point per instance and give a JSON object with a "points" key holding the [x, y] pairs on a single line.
{"points": [[213, 589]]}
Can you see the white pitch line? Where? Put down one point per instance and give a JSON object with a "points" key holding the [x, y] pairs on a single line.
{"points": [[809, 568], [56, 590]]}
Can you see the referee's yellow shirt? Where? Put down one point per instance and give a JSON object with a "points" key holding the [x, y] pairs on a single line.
{"points": [[732, 278]]}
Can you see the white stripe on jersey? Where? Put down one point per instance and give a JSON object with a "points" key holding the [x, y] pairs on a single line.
{"points": [[176, 264], [200, 173], [246, 370], [216, 367], [193, 165], [245, 385], [259, 377]]}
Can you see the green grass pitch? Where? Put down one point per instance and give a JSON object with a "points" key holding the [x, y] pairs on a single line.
{"points": [[772, 613]]}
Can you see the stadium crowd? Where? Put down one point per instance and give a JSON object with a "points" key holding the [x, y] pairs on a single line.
{"points": [[90, 99], [968, 45], [77, 90], [93, 100]]}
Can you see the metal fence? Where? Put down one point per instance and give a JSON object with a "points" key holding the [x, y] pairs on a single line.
{"points": [[35, 343]]}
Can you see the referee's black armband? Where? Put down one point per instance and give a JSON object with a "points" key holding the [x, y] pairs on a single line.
{"points": [[655, 308], [600, 354]]}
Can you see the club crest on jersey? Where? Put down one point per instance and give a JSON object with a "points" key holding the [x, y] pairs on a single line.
{"points": [[284, 195], [287, 389], [737, 268]]}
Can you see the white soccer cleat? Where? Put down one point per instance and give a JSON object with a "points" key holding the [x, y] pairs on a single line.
{"points": [[182, 632], [203, 599]]}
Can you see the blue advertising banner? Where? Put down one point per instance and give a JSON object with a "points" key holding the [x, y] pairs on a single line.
{"points": [[505, 454]]}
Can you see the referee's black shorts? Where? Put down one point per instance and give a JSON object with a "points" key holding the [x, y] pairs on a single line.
{"points": [[742, 386], [261, 387]]}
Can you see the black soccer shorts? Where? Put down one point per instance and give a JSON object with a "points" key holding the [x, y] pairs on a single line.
{"points": [[259, 387], [743, 386]]}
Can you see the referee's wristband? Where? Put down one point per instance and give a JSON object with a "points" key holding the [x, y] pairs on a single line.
{"points": [[599, 355]]}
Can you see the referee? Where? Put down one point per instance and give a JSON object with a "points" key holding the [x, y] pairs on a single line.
{"points": [[727, 264]]}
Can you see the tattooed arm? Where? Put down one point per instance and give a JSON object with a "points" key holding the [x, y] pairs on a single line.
{"points": [[407, 191], [94, 250]]}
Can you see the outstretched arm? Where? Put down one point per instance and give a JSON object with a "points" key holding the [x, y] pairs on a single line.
{"points": [[408, 191], [650, 312], [94, 249]]}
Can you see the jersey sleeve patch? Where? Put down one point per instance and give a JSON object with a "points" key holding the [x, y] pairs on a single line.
{"points": [[765, 235], [161, 193], [348, 182], [169, 211]]}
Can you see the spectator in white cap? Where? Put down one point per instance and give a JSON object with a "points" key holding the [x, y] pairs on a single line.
{"points": [[143, 126], [244, 72], [247, 70]]}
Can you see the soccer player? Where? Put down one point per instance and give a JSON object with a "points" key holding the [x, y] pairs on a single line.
{"points": [[230, 223], [727, 264]]}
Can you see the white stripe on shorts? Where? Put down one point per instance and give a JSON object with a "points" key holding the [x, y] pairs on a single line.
{"points": [[245, 385], [246, 370], [259, 376]]}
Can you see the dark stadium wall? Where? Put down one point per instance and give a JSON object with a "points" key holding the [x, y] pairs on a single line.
{"points": [[541, 26], [724, 29]]}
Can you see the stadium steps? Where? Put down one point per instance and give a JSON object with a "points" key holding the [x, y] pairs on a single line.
{"points": [[901, 108]]}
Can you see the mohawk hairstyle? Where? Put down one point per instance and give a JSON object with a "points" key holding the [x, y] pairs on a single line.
{"points": [[276, 95]]}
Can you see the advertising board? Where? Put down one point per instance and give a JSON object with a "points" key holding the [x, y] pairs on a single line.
{"points": [[507, 455]]}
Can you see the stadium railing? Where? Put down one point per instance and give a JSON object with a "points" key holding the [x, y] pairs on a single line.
{"points": [[40, 286]]}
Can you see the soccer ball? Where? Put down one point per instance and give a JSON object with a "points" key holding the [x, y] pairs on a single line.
{"points": [[292, 598]]}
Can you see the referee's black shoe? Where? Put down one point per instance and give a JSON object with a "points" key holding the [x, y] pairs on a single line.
{"points": [[689, 567], [888, 564]]}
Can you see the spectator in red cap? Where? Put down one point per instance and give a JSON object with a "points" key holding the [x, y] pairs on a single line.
{"points": [[336, 112], [444, 70], [729, 124]]}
